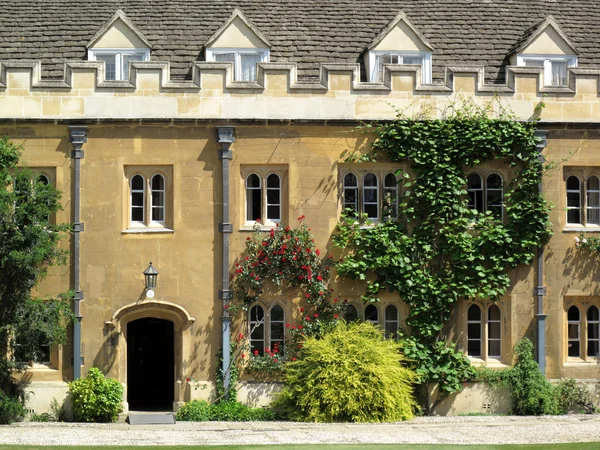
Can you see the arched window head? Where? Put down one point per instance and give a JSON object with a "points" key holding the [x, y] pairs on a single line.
{"points": [[573, 331], [474, 331], [257, 329], [43, 179], [593, 332], [253, 198], [391, 322], [274, 198], [138, 191], [351, 313], [277, 330], [494, 332], [573, 200], [350, 200], [157, 186], [475, 191], [372, 314], [390, 197], [371, 196], [592, 192]]}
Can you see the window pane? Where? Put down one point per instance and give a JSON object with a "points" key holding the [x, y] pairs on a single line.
{"points": [[573, 314], [249, 66], [137, 183], [273, 181], [573, 184], [494, 349], [158, 198], [494, 330], [351, 313], [593, 200], [158, 183], [273, 213], [371, 314], [573, 331], [474, 348], [254, 204], [534, 63], [273, 196], [574, 348], [573, 199], [475, 192], [412, 60], [43, 179], [111, 65], [350, 192], [593, 348], [593, 331], [137, 199], [256, 314], [494, 313], [126, 60], [225, 57], [474, 313], [350, 180], [370, 195], [391, 313], [573, 216], [276, 331], [370, 179], [277, 313], [258, 331], [559, 73], [593, 314], [474, 330]]}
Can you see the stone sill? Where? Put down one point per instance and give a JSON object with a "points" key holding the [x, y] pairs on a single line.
{"points": [[148, 231], [581, 229]]}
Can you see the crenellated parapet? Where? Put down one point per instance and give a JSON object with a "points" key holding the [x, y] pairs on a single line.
{"points": [[338, 94]]}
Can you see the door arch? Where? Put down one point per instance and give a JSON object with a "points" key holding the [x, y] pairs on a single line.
{"points": [[154, 309]]}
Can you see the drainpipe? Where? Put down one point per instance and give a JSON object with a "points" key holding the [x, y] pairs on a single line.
{"points": [[540, 289], [78, 136], [225, 136]]}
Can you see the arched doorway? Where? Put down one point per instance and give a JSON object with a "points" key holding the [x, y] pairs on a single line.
{"points": [[150, 364]]}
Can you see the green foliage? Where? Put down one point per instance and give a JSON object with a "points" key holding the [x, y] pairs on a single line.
{"points": [[28, 246], [231, 393], [440, 251], [573, 397], [531, 393], [43, 417], [229, 411], [58, 411], [95, 398], [194, 411], [350, 374], [11, 408]]}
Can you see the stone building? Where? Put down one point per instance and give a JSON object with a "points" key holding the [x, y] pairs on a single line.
{"points": [[130, 109]]}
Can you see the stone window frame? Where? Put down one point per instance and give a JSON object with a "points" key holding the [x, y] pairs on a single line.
{"points": [[147, 173], [484, 321], [119, 53], [484, 177], [376, 75], [267, 340], [583, 174], [583, 306], [381, 309], [263, 172], [264, 53], [381, 173], [547, 61]]}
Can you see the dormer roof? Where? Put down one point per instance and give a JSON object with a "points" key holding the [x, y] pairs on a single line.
{"points": [[406, 28], [532, 34], [119, 20], [238, 19]]}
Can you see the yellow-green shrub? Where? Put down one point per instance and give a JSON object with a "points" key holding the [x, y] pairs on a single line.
{"points": [[351, 374]]}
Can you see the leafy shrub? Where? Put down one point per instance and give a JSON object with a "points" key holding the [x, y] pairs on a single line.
{"points": [[351, 374], [95, 398], [58, 411], [11, 408], [231, 411], [573, 397], [43, 417], [194, 411]]}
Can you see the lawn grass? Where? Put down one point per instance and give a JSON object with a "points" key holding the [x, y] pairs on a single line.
{"points": [[575, 446]]}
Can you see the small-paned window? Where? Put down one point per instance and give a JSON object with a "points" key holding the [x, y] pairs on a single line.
{"points": [[158, 198], [257, 329], [555, 67], [351, 313], [371, 196], [149, 200], [391, 322], [486, 196], [573, 331], [379, 58], [593, 331], [375, 195], [351, 192], [583, 198], [573, 200], [264, 199], [245, 62], [494, 332], [138, 197], [474, 326], [117, 62], [390, 197], [593, 200], [267, 332]]}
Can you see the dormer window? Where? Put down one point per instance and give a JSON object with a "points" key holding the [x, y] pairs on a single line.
{"points": [[117, 44], [240, 42], [546, 46], [244, 61], [555, 66], [117, 61], [379, 58]]}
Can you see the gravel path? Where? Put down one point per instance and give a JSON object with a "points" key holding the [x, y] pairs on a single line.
{"points": [[423, 430]]}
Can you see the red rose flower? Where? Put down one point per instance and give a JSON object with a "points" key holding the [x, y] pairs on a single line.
{"points": [[301, 309], [256, 352], [335, 316]]}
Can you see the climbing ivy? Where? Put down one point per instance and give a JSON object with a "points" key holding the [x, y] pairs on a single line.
{"points": [[439, 251]]}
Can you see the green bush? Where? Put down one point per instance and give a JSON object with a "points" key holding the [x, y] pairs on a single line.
{"points": [[351, 374], [95, 398], [11, 408], [194, 411], [572, 397], [202, 411]]}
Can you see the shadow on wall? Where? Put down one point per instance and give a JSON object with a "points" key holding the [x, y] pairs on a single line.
{"points": [[580, 266], [258, 394]]}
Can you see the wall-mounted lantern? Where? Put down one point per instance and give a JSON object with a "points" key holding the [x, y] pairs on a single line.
{"points": [[151, 275]]}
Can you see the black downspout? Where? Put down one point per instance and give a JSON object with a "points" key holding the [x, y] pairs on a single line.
{"points": [[540, 289], [78, 136], [225, 136]]}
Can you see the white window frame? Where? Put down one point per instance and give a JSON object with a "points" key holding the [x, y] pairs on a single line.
{"points": [[395, 321], [267, 325], [263, 177], [571, 61], [483, 192], [374, 322], [425, 65], [162, 191], [264, 54], [137, 223], [118, 53], [381, 189]]}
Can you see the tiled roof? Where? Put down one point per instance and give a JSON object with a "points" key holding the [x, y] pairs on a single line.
{"points": [[308, 32]]}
